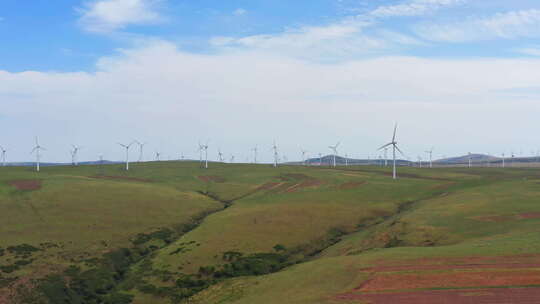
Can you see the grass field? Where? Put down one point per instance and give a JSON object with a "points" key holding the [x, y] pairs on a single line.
{"points": [[170, 232]]}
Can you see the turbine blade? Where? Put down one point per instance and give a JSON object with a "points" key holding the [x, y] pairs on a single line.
{"points": [[399, 150], [394, 137], [389, 144]]}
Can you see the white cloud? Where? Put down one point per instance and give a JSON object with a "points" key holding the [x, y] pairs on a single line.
{"points": [[335, 42], [173, 99], [239, 12], [111, 15], [508, 25], [413, 8], [532, 51]]}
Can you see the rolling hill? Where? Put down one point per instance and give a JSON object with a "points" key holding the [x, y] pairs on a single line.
{"points": [[171, 232]]}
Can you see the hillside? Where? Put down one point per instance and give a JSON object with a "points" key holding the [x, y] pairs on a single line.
{"points": [[173, 232]]}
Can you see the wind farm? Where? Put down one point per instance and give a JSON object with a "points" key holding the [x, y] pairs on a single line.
{"points": [[269, 152]]}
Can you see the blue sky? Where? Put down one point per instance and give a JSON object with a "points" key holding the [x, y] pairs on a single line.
{"points": [[224, 70]]}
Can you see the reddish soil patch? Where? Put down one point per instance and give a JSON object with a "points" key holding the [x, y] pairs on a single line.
{"points": [[350, 185], [127, 178], [26, 185], [469, 296], [267, 186], [304, 184], [293, 176], [530, 215], [212, 178], [452, 279], [495, 218]]}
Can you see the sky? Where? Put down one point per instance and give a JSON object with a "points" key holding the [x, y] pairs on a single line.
{"points": [[457, 75]]}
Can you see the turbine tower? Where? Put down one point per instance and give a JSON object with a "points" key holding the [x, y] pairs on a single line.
{"points": [[304, 152], [220, 155], [393, 143], [141, 148], [4, 151], [37, 149], [334, 149], [503, 160], [346, 160], [74, 153], [470, 159], [158, 156], [320, 159], [276, 156], [127, 152], [255, 154], [430, 152]]}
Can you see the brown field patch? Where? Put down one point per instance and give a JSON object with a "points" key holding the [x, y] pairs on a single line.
{"points": [[350, 185], [452, 279], [126, 178], [211, 178], [530, 215], [304, 184], [495, 218], [472, 296], [26, 185]]}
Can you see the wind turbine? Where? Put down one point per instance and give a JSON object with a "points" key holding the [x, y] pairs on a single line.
{"points": [[430, 152], [3, 156], [393, 143], [503, 159], [220, 155], [141, 147], [205, 147], [304, 156], [74, 153], [255, 154], [127, 152], [334, 149], [158, 156], [346, 160], [320, 159], [470, 156], [275, 148], [37, 149]]}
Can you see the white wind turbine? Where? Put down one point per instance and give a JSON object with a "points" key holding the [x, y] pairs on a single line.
{"points": [[4, 151], [37, 149], [220, 155], [304, 152], [393, 143], [334, 149], [503, 160], [158, 156], [276, 156], [255, 154], [430, 152], [141, 149], [470, 159], [127, 152], [205, 148], [74, 153], [346, 160]]}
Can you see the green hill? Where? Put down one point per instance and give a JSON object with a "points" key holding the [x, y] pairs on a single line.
{"points": [[170, 232]]}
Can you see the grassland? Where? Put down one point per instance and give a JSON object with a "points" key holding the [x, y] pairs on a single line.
{"points": [[171, 232]]}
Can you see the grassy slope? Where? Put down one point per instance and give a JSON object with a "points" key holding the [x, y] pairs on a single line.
{"points": [[474, 216], [452, 211]]}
